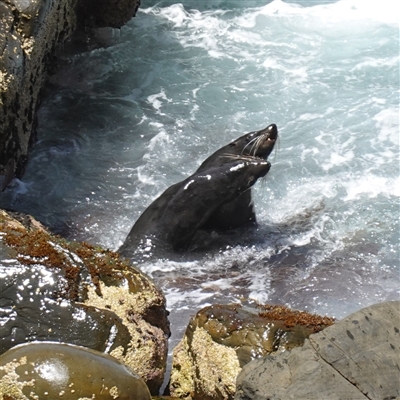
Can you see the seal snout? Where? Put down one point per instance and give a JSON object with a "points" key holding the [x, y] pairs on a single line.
{"points": [[258, 166], [271, 132], [263, 169], [263, 142]]}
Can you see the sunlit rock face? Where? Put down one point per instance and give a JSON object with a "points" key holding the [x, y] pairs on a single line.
{"points": [[356, 358], [71, 292], [58, 370], [221, 339]]}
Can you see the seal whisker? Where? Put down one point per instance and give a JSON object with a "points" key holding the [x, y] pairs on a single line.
{"points": [[248, 144], [242, 157], [257, 144], [277, 147]]}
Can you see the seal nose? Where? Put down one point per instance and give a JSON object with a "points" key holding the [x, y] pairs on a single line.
{"points": [[272, 131], [263, 169]]}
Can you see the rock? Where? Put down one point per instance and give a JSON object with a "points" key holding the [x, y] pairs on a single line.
{"points": [[221, 339], [54, 370], [357, 358], [31, 32], [71, 292], [106, 13]]}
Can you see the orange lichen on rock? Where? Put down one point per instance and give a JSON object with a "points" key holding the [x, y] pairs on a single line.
{"points": [[34, 247], [292, 317], [33, 244]]}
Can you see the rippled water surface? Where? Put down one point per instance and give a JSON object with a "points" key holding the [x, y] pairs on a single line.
{"points": [[121, 123]]}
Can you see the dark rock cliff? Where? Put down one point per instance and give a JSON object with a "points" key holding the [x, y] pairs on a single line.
{"points": [[31, 32]]}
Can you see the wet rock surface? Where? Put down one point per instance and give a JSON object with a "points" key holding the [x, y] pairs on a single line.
{"points": [[31, 33], [357, 358], [221, 339], [105, 13], [40, 370], [71, 292]]}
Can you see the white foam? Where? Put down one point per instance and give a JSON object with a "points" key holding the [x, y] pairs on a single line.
{"points": [[145, 178], [158, 142], [218, 284], [337, 159], [176, 14], [372, 186], [387, 122], [386, 12], [155, 99], [260, 287], [376, 63], [326, 74], [192, 299]]}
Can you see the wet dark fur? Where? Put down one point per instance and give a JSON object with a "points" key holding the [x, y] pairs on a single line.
{"points": [[173, 219], [217, 196], [240, 211]]}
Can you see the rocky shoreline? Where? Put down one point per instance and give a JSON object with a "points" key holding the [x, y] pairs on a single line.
{"points": [[57, 291], [356, 358]]}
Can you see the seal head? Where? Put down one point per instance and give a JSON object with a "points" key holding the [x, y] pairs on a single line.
{"points": [[257, 144], [240, 211]]}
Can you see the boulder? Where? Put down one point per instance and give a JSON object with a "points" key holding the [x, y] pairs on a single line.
{"points": [[55, 290], [221, 339], [105, 13], [357, 358], [50, 370]]}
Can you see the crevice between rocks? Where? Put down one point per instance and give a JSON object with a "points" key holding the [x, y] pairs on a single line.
{"points": [[313, 345]]}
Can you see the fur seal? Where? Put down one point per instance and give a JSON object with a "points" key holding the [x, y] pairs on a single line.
{"points": [[240, 211], [173, 219]]}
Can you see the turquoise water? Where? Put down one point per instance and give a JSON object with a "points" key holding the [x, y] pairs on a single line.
{"points": [[121, 123]]}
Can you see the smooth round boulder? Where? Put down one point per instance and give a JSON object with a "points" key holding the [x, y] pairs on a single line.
{"points": [[38, 370]]}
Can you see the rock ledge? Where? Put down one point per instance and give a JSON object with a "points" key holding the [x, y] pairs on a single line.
{"points": [[356, 358]]}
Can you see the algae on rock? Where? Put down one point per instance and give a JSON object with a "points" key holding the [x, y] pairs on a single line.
{"points": [[53, 289], [221, 339]]}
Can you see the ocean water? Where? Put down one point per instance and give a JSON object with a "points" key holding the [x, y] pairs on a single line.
{"points": [[124, 120]]}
